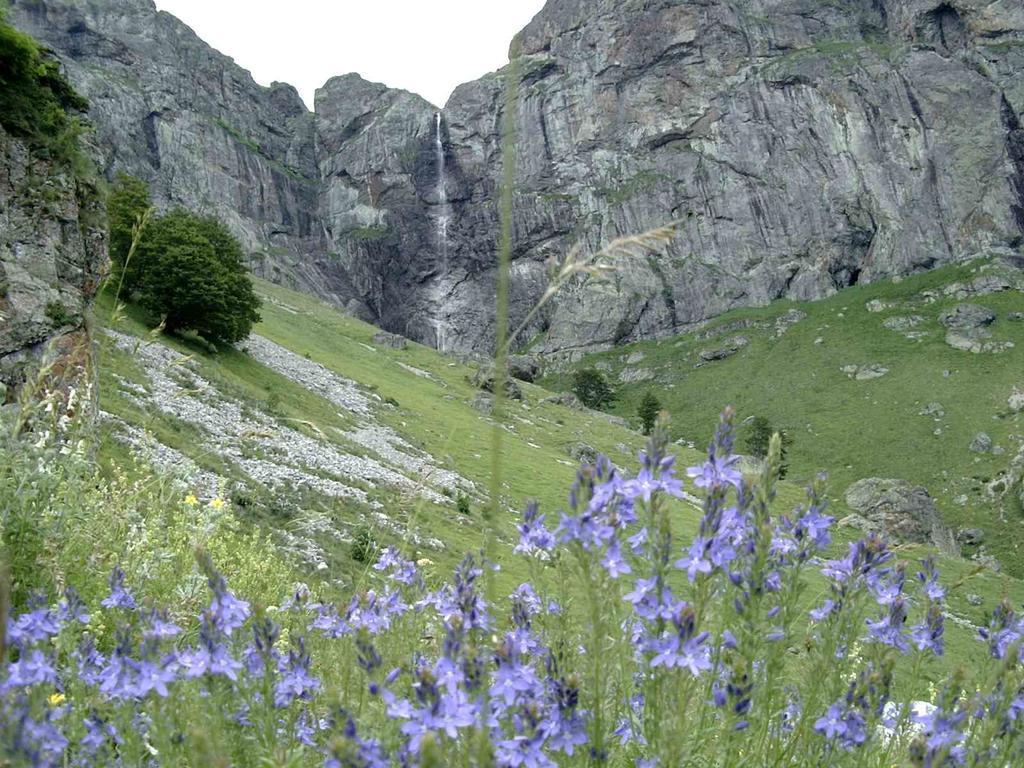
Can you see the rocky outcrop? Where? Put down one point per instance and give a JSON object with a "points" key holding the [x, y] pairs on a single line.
{"points": [[52, 253], [185, 118], [902, 511], [805, 146]]}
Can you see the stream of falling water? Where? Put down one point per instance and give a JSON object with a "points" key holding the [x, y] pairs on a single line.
{"points": [[443, 219], [442, 194]]}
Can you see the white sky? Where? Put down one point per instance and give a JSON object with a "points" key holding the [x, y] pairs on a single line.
{"points": [[425, 46]]}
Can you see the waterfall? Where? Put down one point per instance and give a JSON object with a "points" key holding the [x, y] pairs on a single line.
{"points": [[443, 219], [444, 214]]}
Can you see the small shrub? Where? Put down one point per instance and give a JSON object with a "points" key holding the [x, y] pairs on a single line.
{"points": [[364, 546], [273, 402], [242, 498], [591, 387], [462, 504], [57, 314]]}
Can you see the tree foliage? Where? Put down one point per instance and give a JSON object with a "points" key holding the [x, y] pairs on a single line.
{"points": [[650, 407], [189, 271], [126, 205], [186, 269], [35, 98], [759, 435], [591, 387]]}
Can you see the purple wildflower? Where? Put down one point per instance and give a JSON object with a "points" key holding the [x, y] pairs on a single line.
{"points": [[295, 681], [119, 596]]}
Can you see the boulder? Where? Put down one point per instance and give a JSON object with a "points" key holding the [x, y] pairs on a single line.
{"points": [[1015, 401], [565, 399], [865, 372], [727, 348], [53, 252], [981, 443], [618, 421], [970, 537], [633, 375], [583, 453], [483, 402], [786, 321], [967, 316], [934, 409], [484, 379], [902, 511], [392, 340], [524, 367], [903, 323]]}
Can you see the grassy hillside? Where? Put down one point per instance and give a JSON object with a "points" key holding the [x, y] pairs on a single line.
{"points": [[793, 374], [281, 461], [425, 398], [420, 396]]}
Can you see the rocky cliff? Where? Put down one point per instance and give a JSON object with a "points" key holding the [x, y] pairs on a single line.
{"points": [[806, 145], [52, 252]]}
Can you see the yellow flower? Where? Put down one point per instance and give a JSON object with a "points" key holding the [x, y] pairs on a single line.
{"points": [[57, 699], [217, 503], [191, 500]]}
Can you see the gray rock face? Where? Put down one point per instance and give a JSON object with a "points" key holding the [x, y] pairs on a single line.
{"points": [[967, 317], [902, 511], [192, 123], [967, 329], [805, 146], [524, 367], [53, 251]]}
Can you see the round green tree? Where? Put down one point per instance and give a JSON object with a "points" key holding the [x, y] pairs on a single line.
{"points": [[591, 387], [189, 271]]}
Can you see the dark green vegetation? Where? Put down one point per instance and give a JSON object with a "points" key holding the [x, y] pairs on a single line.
{"points": [[591, 387], [759, 434], [648, 411], [127, 204], [187, 270], [793, 375], [36, 101]]}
